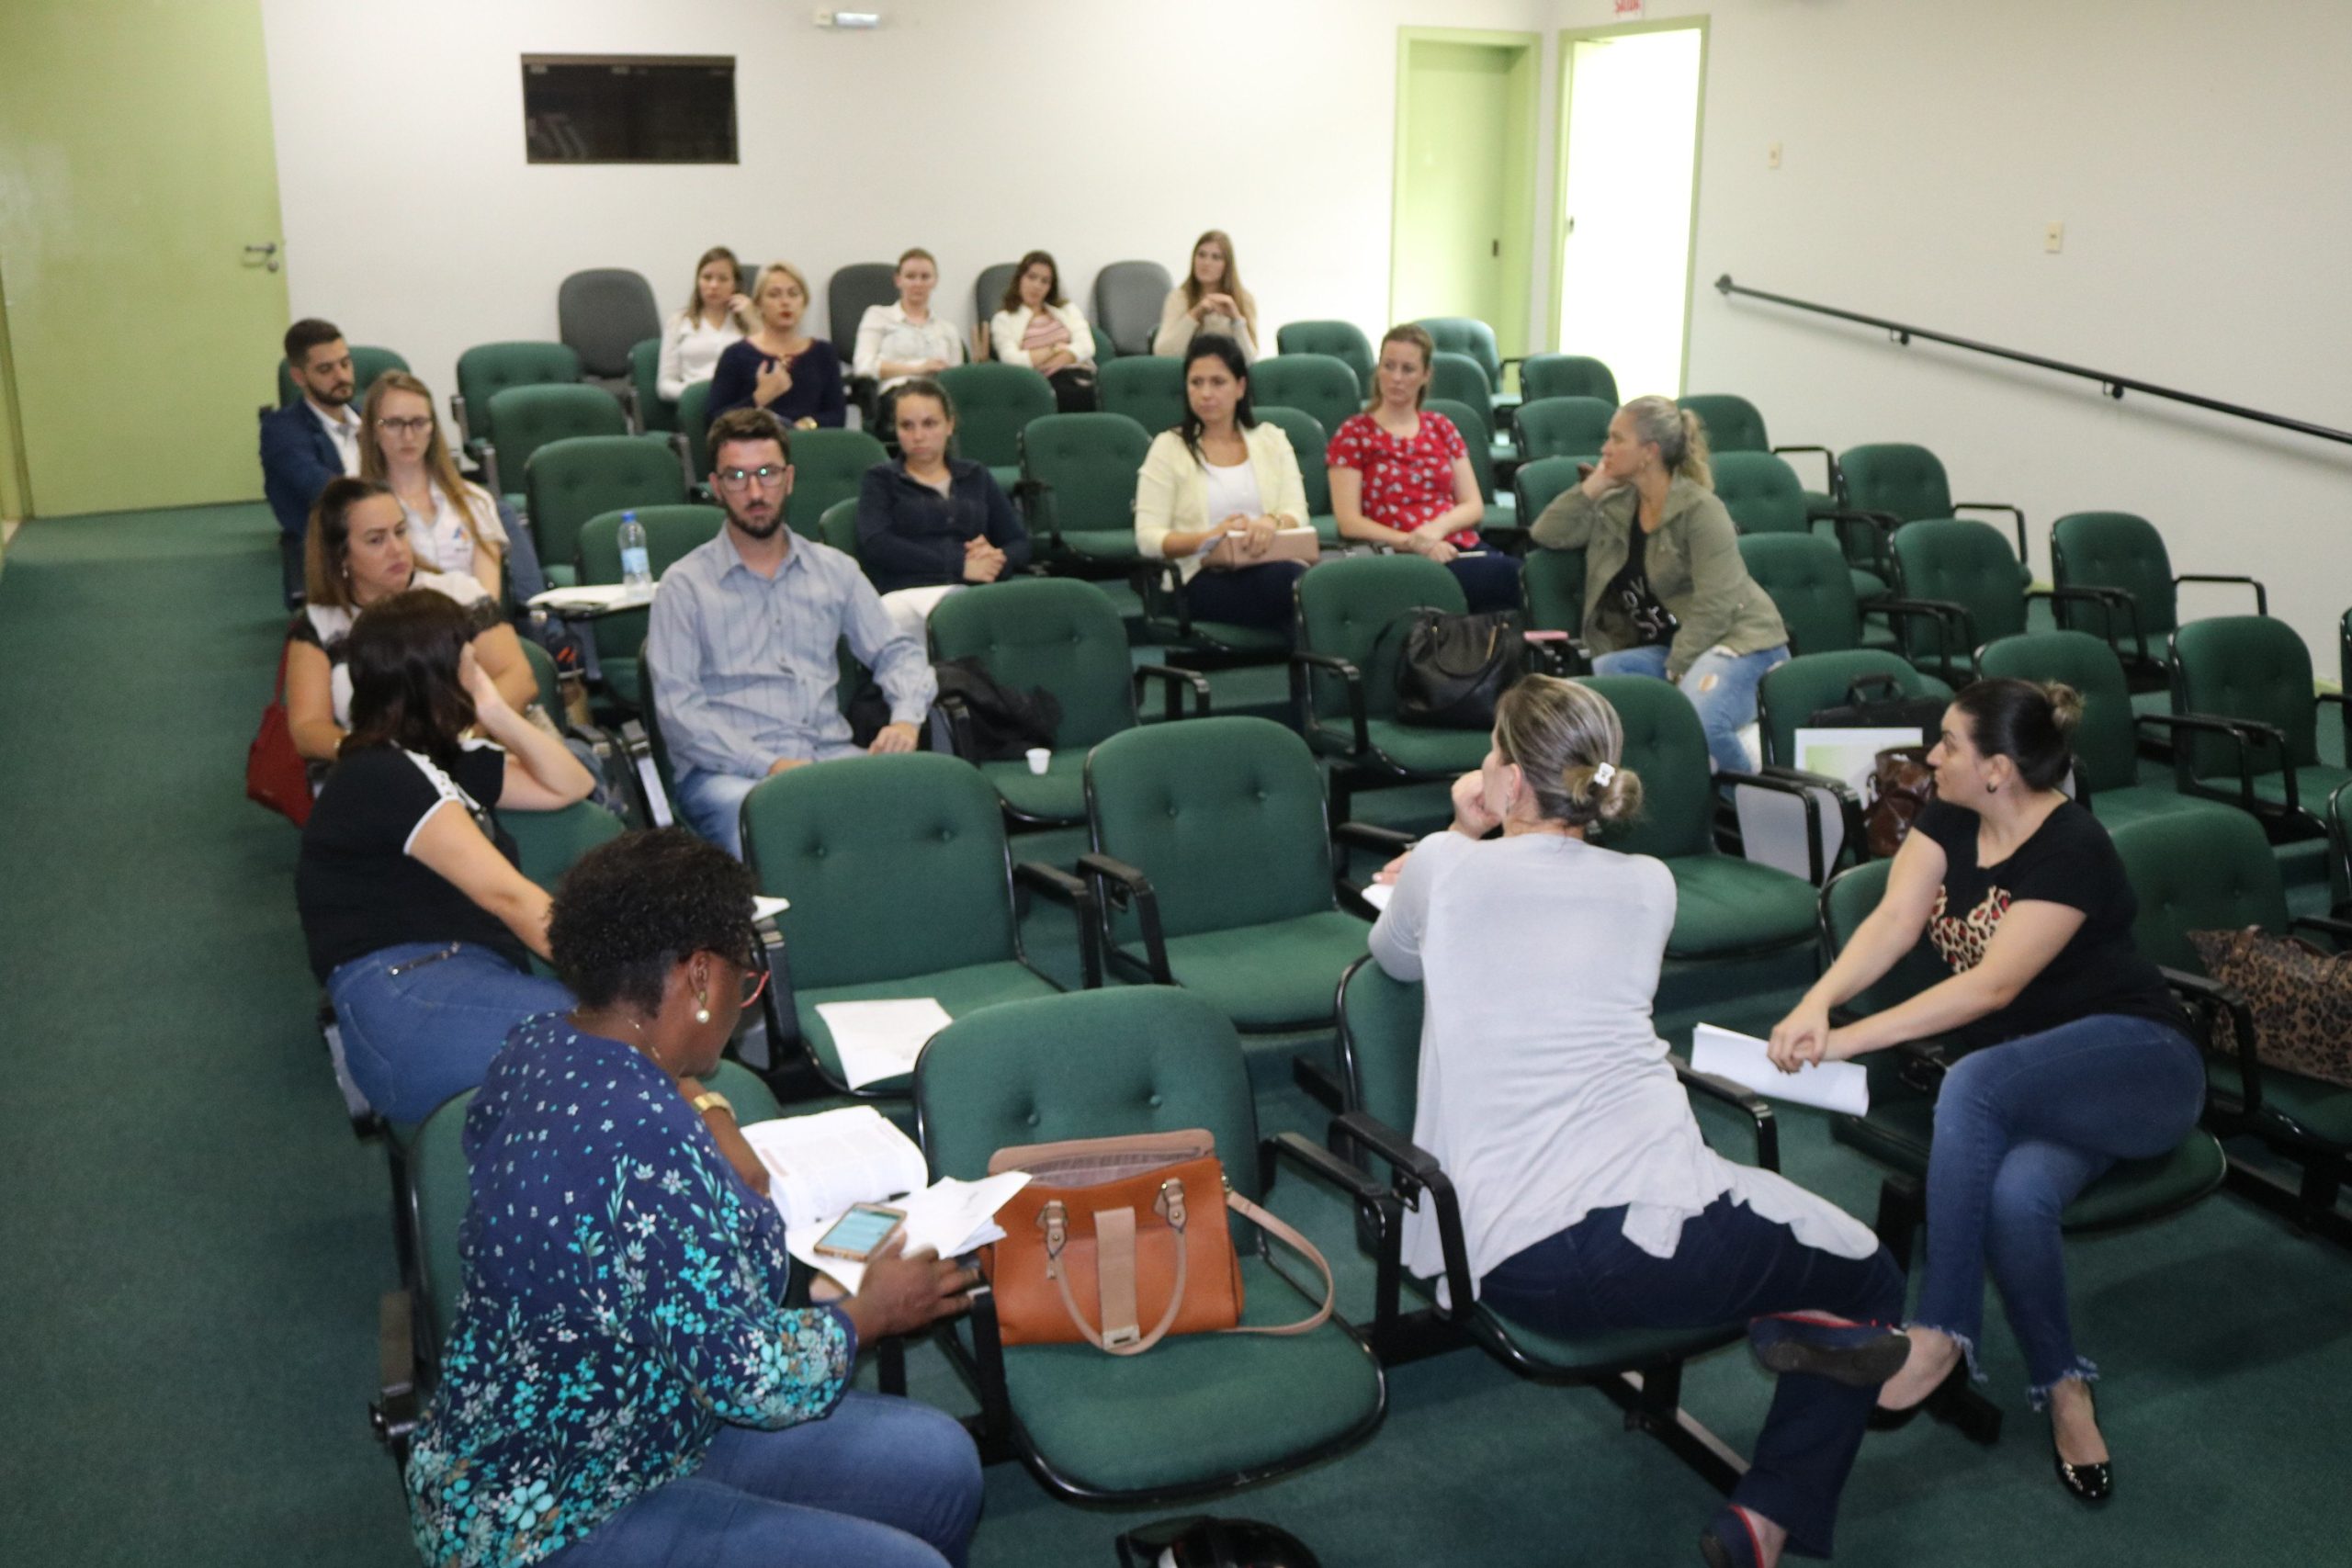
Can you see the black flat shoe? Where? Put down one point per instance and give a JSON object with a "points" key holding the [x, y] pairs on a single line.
{"points": [[2089, 1482]]}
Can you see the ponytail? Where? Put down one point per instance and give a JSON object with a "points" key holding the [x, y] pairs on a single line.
{"points": [[1679, 435]]}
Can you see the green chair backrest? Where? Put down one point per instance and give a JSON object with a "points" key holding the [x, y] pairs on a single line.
{"points": [[1791, 693], [1562, 427], [654, 411], [1344, 341], [1316, 383], [1959, 561], [543, 673], [2105, 752], [2115, 549], [827, 466], [837, 526], [1732, 422], [2249, 667], [1541, 482], [994, 402], [1380, 1044], [1147, 388], [2198, 871], [1311, 443], [439, 1192], [575, 479], [1477, 433], [1088, 463], [694, 423], [1225, 816], [1460, 378], [548, 843], [528, 418], [655, 741], [1762, 493], [670, 531], [988, 292], [1088, 1064], [1107, 348], [487, 369], [1666, 746], [1346, 605], [1551, 583], [1059, 632], [366, 364], [1469, 336], [1896, 477], [1807, 577], [1846, 903], [1568, 375], [849, 843]]}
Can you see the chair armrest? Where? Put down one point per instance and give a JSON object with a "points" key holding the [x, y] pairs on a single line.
{"points": [[2207, 996], [958, 713], [1746, 1102], [1316, 1160], [1817, 850], [1417, 1172], [396, 1409], [1385, 842], [1829, 484], [1160, 586], [2109, 600], [783, 1018], [2261, 594], [458, 418], [1117, 886], [2327, 926], [1031, 492], [1882, 523], [1177, 681], [1077, 895], [2244, 736], [1958, 507], [487, 456], [1948, 615], [1303, 668]]}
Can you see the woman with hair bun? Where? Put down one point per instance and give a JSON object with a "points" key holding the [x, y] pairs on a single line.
{"points": [[2077, 1055], [1666, 593], [1589, 1200]]}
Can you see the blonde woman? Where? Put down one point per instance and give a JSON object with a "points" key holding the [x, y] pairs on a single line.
{"points": [[1210, 300], [1038, 328], [453, 524], [780, 367], [716, 317]]}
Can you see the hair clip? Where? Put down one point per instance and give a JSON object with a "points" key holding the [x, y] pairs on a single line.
{"points": [[1603, 773]]}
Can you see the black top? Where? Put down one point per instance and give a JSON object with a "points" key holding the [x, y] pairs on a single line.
{"points": [[815, 393], [356, 884], [2069, 860], [909, 535], [1629, 593]]}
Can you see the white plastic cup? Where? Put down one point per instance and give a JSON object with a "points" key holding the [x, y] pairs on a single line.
{"points": [[1039, 758]]}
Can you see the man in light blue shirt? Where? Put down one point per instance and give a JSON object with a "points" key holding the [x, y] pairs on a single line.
{"points": [[742, 642]]}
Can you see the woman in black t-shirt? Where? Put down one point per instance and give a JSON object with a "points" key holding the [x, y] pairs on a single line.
{"points": [[418, 923], [2080, 1057]]}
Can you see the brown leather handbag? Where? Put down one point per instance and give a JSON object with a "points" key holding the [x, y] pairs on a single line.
{"points": [[1900, 785], [1115, 1234], [2300, 996]]}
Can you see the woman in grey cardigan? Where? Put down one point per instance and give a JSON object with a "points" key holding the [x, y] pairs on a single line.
{"points": [[1666, 593]]}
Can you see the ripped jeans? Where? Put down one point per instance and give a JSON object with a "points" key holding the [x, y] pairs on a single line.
{"points": [[1721, 685]]}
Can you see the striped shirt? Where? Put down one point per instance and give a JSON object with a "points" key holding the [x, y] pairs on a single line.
{"points": [[745, 667]]}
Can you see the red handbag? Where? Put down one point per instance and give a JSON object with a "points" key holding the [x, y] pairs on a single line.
{"points": [[276, 774]]}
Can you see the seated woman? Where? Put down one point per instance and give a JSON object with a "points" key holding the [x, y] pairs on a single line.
{"points": [[1210, 300], [1401, 477], [1038, 328], [418, 924], [1589, 1200], [624, 1383], [928, 524], [2081, 1057], [357, 554], [1666, 593], [453, 524], [898, 343], [1213, 490], [716, 317], [779, 368]]}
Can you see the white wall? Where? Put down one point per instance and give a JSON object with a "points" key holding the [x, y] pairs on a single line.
{"points": [[2193, 151]]}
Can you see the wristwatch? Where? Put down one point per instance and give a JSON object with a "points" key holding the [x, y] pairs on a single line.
{"points": [[709, 1100]]}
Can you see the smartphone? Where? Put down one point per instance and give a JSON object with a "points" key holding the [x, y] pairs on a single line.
{"points": [[856, 1235]]}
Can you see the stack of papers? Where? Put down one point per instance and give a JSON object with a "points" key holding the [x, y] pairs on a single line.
{"points": [[591, 598], [1741, 1058], [881, 1039]]}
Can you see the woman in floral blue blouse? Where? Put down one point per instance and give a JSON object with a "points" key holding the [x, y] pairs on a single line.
{"points": [[623, 1383]]}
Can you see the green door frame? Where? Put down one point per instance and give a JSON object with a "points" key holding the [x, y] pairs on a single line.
{"points": [[1518, 217], [1569, 39], [16, 485]]}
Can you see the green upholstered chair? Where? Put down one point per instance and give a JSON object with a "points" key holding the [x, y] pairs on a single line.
{"points": [[1477, 435], [2122, 557], [1726, 906], [828, 466], [1316, 383], [1897, 483], [1536, 485], [1761, 492], [487, 369], [2253, 674], [655, 413], [366, 364], [1380, 1045], [849, 293], [1566, 376], [1474, 339], [1066, 636], [1344, 676], [1223, 1410], [994, 402], [1309, 442], [1732, 422], [855, 845], [1791, 693], [989, 290], [1342, 340], [1460, 378], [1078, 473], [649, 752], [1562, 427], [1961, 573], [1551, 586], [837, 528], [1807, 578], [547, 843], [670, 531], [692, 440], [1147, 388], [1212, 865], [575, 478], [527, 417]]}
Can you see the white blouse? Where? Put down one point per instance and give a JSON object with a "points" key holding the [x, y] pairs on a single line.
{"points": [[440, 543], [1231, 491], [332, 624], [883, 333], [690, 351]]}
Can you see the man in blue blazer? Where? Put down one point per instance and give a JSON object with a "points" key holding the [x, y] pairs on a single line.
{"points": [[310, 442]]}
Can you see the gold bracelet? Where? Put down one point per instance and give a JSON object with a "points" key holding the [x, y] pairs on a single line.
{"points": [[709, 1100]]}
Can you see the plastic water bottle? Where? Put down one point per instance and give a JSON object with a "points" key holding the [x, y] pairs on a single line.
{"points": [[637, 570]]}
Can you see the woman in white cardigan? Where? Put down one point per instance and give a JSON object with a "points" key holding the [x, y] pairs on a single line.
{"points": [[1210, 300], [693, 339], [1214, 492], [1040, 329]]}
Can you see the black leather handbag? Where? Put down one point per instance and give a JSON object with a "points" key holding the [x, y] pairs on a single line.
{"points": [[1452, 669], [1878, 701]]}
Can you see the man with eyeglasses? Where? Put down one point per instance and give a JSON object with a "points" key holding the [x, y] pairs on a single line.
{"points": [[314, 439], [742, 645]]}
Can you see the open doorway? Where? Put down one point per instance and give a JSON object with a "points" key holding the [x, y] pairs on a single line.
{"points": [[1629, 187]]}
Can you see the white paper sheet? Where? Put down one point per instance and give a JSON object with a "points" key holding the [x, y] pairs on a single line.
{"points": [[1830, 1085], [881, 1039], [591, 597], [1377, 894], [819, 1165], [764, 907], [1850, 755], [951, 1217]]}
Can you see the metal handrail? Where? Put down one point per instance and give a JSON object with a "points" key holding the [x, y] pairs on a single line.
{"points": [[2114, 386]]}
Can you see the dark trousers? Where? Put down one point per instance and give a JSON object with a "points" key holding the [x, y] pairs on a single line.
{"points": [[290, 568], [1247, 596], [1731, 1265], [1489, 580]]}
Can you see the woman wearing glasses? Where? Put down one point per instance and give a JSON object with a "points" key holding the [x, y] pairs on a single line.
{"points": [[418, 923], [453, 525]]}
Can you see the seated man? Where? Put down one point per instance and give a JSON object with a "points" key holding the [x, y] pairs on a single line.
{"points": [[306, 443], [743, 635]]}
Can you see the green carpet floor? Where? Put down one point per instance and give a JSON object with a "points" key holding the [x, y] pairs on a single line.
{"points": [[192, 1244]]}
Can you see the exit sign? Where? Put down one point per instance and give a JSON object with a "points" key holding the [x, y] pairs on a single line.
{"points": [[1629, 8]]}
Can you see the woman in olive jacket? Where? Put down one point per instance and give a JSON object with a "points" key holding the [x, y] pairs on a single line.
{"points": [[1666, 593]]}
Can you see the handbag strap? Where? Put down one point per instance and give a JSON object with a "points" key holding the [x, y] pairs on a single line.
{"points": [[1298, 1244], [1114, 1271]]}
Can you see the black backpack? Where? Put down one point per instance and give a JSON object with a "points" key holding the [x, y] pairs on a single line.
{"points": [[1452, 669], [995, 723], [1877, 702]]}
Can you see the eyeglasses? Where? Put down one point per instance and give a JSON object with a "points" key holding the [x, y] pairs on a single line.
{"points": [[770, 475], [416, 426], [755, 982]]}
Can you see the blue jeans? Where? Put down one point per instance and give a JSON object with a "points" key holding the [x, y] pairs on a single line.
{"points": [[418, 1028], [1721, 685], [2021, 1128], [880, 1482], [1262, 595], [1489, 580], [1731, 1264], [713, 803]]}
